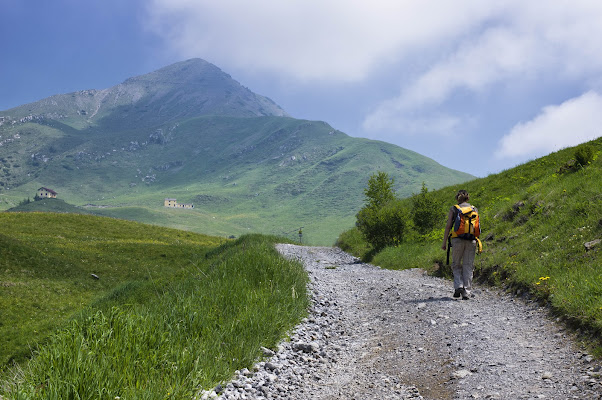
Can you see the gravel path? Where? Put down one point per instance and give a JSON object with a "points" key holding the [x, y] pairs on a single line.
{"points": [[380, 334]]}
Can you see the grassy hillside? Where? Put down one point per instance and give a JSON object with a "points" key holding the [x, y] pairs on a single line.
{"points": [[48, 205], [190, 220], [166, 313], [266, 174], [536, 219]]}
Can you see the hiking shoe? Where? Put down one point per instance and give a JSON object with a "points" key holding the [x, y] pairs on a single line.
{"points": [[464, 294], [458, 292]]}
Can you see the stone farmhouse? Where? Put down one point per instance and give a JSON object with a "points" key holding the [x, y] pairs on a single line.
{"points": [[45, 193], [172, 203]]}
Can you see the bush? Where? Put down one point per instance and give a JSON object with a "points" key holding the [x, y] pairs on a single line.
{"points": [[383, 227], [584, 155], [425, 213], [353, 242]]}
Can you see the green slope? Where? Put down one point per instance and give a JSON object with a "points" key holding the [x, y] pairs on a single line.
{"points": [[265, 174], [536, 219]]}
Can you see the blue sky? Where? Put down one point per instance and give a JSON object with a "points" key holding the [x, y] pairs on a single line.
{"points": [[476, 85]]}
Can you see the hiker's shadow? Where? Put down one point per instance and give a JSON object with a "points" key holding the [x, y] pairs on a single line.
{"points": [[429, 300]]}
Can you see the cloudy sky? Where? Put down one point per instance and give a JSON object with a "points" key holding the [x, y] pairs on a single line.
{"points": [[479, 86]]}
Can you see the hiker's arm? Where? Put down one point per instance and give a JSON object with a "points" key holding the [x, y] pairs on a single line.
{"points": [[450, 218]]}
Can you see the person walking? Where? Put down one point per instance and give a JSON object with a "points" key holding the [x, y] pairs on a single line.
{"points": [[463, 243]]}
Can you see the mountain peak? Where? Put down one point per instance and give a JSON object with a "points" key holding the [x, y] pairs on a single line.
{"points": [[185, 89], [200, 88], [189, 70]]}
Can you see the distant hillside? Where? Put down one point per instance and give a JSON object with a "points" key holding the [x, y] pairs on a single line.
{"points": [[47, 205], [191, 132]]}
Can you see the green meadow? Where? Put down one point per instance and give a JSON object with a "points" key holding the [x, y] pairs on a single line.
{"points": [[536, 219], [94, 307]]}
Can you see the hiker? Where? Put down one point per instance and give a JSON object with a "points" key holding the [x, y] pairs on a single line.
{"points": [[463, 239]]}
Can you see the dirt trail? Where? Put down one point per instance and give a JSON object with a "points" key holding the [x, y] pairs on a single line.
{"points": [[380, 334]]}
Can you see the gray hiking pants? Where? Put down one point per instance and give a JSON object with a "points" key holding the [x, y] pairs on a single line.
{"points": [[463, 253]]}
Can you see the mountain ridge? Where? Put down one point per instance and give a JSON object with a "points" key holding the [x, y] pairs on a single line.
{"points": [[202, 87]]}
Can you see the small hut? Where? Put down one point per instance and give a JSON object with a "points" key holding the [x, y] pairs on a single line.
{"points": [[45, 193]]}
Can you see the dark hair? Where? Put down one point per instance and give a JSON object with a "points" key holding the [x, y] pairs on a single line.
{"points": [[462, 196]]}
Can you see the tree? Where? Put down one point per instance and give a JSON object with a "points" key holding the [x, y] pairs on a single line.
{"points": [[382, 221], [425, 213], [379, 191]]}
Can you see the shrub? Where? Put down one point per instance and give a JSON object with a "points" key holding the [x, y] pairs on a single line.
{"points": [[425, 212], [584, 155], [383, 227], [353, 242]]}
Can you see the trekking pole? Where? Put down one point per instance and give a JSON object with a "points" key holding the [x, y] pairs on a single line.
{"points": [[481, 260], [448, 248]]}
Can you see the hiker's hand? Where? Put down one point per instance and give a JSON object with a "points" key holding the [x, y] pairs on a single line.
{"points": [[444, 246]]}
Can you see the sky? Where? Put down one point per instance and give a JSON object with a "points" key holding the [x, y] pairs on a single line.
{"points": [[478, 86]]}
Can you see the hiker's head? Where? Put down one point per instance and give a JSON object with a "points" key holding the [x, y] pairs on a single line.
{"points": [[462, 196]]}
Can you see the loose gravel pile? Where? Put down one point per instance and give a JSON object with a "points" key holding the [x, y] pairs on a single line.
{"points": [[380, 334]]}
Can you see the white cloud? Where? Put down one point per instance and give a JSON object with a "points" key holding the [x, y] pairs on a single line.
{"points": [[475, 66], [340, 40], [480, 43], [522, 42], [575, 121], [389, 123], [493, 56]]}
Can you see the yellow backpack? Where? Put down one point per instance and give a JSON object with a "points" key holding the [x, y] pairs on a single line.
{"points": [[467, 225]]}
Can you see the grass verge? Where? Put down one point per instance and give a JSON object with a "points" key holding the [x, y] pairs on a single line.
{"points": [[169, 335]]}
